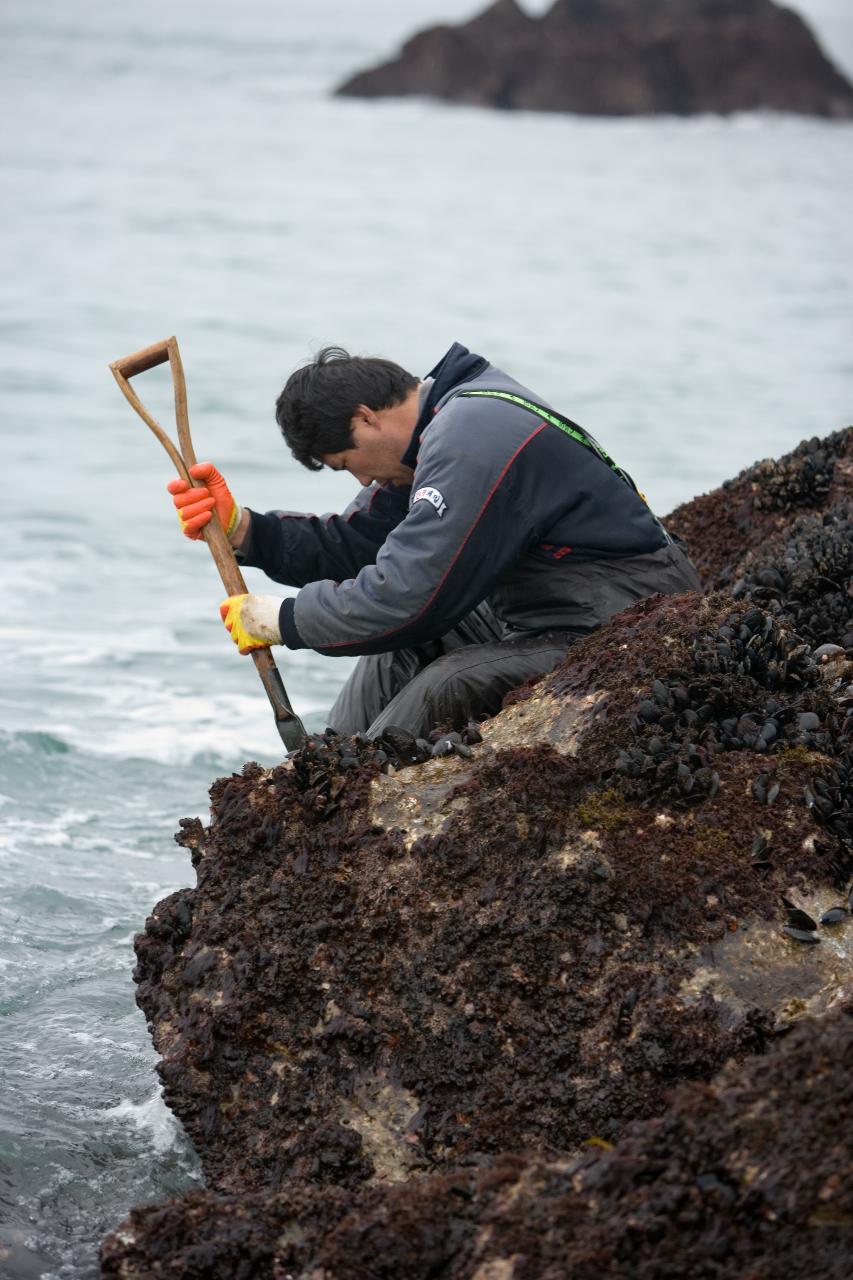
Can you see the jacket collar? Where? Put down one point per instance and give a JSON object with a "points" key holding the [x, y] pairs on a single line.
{"points": [[456, 366]]}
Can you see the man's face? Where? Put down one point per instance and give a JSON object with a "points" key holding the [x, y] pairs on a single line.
{"points": [[380, 438]]}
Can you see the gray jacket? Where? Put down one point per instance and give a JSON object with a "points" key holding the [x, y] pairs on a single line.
{"points": [[504, 507]]}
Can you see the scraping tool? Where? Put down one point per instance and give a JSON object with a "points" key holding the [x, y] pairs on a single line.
{"points": [[290, 727]]}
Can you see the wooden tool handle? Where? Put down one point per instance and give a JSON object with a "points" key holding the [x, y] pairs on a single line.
{"points": [[124, 369], [147, 358], [290, 727], [213, 533]]}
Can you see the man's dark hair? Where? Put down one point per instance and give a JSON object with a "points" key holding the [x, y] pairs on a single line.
{"points": [[315, 409]]}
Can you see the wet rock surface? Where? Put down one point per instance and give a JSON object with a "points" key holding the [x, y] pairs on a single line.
{"points": [[747, 1176], [401, 964], [620, 57]]}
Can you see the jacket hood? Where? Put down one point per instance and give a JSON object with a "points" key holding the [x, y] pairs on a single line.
{"points": [[457, 365]]}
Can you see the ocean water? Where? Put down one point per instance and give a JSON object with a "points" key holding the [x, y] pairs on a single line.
{"points": [[683, 288]]}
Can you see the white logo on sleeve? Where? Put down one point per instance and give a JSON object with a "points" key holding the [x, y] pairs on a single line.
{"points": [[432, 496]]}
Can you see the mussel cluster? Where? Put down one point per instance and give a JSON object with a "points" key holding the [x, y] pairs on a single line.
{"points": [[325, 757], [802, 928], [802, 478], [403, 748], [807, 585], [687, 718], [752, 688]]}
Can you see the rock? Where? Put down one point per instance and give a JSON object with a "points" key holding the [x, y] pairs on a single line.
{"points": [[741, 1177], [386, 979], [781, 535], [620, 57]]}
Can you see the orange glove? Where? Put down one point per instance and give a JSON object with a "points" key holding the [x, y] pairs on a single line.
{"points": [[194, 505], [252, 621]]}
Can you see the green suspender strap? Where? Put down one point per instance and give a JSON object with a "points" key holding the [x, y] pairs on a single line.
{"points": [[570, 429], [565, 424]]}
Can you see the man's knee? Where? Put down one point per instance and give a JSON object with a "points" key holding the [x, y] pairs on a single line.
{"points": [[452, 679], [374, 682], [469, 683]]}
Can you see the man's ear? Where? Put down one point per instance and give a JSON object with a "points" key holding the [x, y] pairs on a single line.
{"points": [[363, 415]]}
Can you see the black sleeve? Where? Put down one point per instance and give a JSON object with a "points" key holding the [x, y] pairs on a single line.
{"points": [[297, 549]]}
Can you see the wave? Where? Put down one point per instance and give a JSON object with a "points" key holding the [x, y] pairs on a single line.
{"points": [[150, 1118]]}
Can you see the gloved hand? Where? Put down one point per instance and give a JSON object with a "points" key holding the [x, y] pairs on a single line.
{"points": [[194, 505], [252, 621]]}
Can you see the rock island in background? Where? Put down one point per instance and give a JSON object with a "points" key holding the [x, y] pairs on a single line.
{"points": [[620, 58]]}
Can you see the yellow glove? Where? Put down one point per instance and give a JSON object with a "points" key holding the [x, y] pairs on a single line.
{"points": [[252, 621]]}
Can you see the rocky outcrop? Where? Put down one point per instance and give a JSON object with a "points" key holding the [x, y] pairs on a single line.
{"points": [[779, 535], [746, 1176], [620, 57], [457, 976]]}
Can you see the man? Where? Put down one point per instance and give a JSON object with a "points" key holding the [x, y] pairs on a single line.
{"points": [[489, 534]]}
